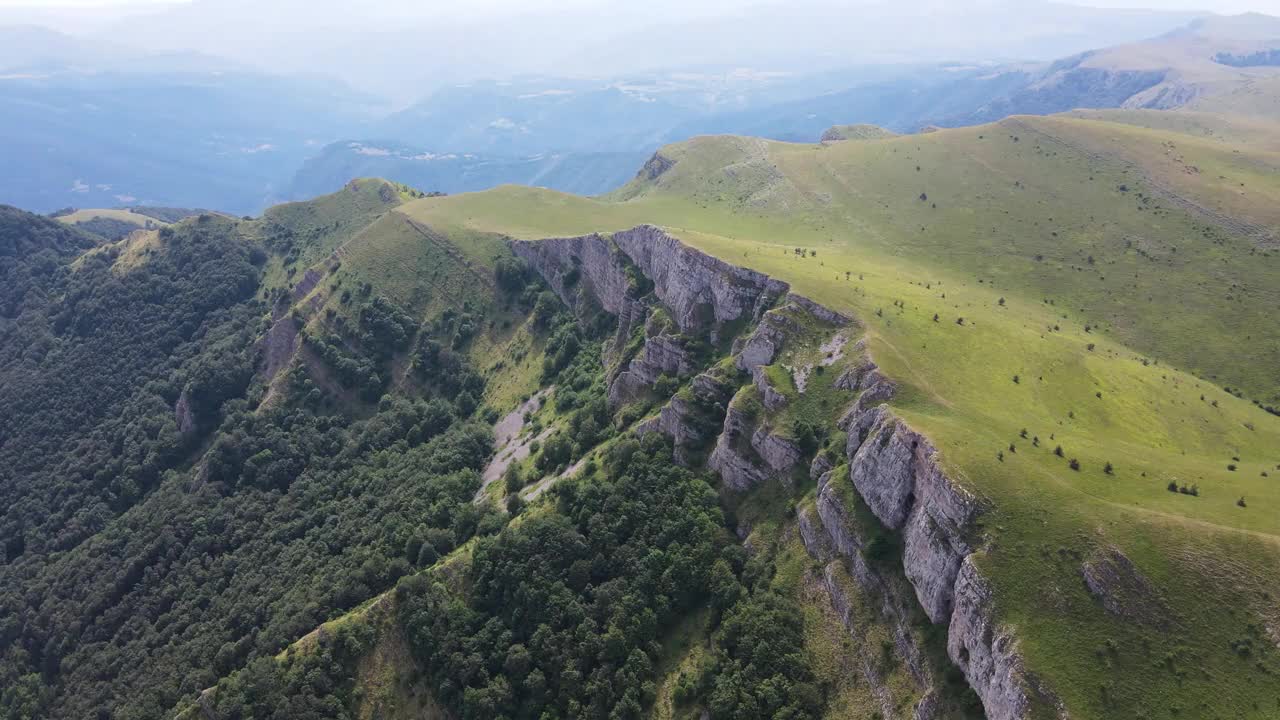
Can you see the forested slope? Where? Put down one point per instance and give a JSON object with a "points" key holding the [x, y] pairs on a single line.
{"points": [[163, 525]]}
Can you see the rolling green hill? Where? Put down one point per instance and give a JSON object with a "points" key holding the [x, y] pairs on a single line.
{"points": [[116, 223], [1099, 285]]}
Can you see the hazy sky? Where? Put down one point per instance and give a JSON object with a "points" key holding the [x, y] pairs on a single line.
{"points": [[402, 49], [1221, 6]]}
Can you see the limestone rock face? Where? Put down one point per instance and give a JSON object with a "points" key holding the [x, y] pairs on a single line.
{"points": [[747, 454], [839, 540], [987, 654], [779, 454], [860, 376], [875, 389], [838, 525], [183, 414], [736, 468], [625, 387], [813, 534], [882, 471], [661, 355], [692, 425], [936, 535], [702, 292], [773, 400], [765, 341], [819, 467], [592, 258], [712, 390], [893, 469], [896, 472], [821, 312]]}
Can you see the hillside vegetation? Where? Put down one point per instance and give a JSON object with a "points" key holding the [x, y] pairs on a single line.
{"points": [[1080, 315], [366, 456]]}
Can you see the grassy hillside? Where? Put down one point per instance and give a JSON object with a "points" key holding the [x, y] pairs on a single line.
{"points": [[110, 224], [837, 133], [125, 216], [1070, 278]]}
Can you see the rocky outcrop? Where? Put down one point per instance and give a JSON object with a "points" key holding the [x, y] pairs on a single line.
{"points": [[590, 262], [661, 355], [702, 293], [896, 472], [860, 375], [820, 466], [310, 279], [824, 314], [765, 342], [1123, 591], [733, 457], [984, 651], [655, 166], [278, 346], [832, 537], [891, 594], [692, 423], [875, 389], [183, 414], [893, 469], [769, 395], [781, 455], [748, 453]]}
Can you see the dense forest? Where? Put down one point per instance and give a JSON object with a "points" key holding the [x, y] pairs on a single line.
{"points": [[567, 610], [162, 527], [176, 519], [563, 613]]}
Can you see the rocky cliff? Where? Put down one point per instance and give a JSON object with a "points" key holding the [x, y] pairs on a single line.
{"points": [[885, 465], [702, 293]]}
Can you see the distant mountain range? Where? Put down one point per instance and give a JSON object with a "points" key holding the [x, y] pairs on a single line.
{"points": [[92, 123], [580, 173]]}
